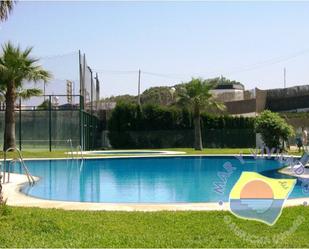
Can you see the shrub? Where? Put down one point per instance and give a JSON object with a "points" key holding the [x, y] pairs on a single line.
{"points": [[159, 127], [274, 129]]}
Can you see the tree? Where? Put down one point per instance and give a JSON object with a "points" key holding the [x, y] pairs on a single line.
{"points": [[223, 81], [44, 105], [120, 99], [16, 66], [197, 97], [274, 129], [6, 7], [160, 95]]}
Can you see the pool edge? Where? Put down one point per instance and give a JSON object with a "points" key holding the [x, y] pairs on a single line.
{"points": [[16, 198]]}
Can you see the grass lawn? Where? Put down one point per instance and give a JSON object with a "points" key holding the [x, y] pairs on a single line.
{"points": [[34, 227], [190, 151]]}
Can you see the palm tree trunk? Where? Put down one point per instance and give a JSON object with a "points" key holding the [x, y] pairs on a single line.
{"points": [[198, 145], [5, 8], [9, 128]]}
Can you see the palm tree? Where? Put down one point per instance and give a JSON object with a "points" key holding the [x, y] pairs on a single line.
{"points": [[16, 66], [197, 97], [6, 7]]}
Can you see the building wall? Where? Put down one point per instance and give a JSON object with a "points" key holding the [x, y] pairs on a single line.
{"points": [[226, 95], [288, 99], [239, 102], [241, 107], [261, 98]]}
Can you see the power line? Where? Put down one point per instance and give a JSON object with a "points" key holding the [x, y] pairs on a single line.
{"points": [[245, 68], [115, 71], [170, 76], [284, 77], [270, 62], [58, 55], [139, 88]]}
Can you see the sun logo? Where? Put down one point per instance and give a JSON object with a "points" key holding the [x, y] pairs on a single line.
{"points": [[260, 198]]}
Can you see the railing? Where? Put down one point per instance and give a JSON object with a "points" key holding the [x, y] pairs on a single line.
{"points": [[12, 163], [69, 141], [78, 152]]}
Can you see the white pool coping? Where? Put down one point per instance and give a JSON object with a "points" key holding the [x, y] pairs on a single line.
{"points": [[12, 192], [179, 154], [127, 152], [292, 172]]}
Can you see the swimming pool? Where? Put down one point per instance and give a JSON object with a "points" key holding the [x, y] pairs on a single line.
{"points": [[177, 179]]}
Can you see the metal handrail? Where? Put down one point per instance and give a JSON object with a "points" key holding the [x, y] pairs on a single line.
{"points": [[80, 149], [22, 163], [69, 141]]}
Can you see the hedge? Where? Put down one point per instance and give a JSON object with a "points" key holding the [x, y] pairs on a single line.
{"points": [[162, 127]]}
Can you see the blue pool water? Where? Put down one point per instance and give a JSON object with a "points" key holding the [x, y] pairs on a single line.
{"points": [[143, 180]]}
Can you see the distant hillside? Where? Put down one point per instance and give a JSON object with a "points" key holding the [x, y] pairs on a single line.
{"points": [[163, 95]]}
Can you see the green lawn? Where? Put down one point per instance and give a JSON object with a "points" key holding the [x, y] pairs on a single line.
{"points": [[61, 154], [33, 227]]}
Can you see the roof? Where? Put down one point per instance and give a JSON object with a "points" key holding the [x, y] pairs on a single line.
{"points": [[230, 86]]}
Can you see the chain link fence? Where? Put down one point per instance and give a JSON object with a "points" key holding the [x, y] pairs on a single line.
{"points": [[66, 110]]}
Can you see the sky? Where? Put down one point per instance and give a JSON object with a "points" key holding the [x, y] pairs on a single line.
{"points": [[170, 42]]}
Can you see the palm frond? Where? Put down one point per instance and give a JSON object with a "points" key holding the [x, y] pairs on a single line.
{"points": [[16, 65], [38, 74], [28, 93], [197, 94], [182, 98], [27, 51]]}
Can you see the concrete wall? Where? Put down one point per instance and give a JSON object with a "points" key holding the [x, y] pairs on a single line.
{"points": [[241, 107], [226, 95], [261, 97]]}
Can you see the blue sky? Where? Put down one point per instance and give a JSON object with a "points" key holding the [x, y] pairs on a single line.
{"points": [[246, 41]]}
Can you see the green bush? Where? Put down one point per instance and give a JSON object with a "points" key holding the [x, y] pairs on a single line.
{"points": [[274, 129], [162, 127]]}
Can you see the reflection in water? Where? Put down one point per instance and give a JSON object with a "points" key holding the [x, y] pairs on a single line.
{"points": [[147, 180]]}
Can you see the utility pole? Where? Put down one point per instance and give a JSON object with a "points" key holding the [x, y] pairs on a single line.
{"points": [[44, 89], [139, 88], [284, 77]]}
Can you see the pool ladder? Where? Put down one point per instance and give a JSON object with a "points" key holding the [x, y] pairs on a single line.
{"points": [[6, 176], [79, 150]]}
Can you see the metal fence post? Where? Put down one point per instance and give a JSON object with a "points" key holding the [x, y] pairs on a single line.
{"points": [[50, 116], [20, 124], [81, 123]]}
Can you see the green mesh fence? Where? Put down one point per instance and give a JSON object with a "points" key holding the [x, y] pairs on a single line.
{"points": [[65, 110], [32, 129], [49, 127]]}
